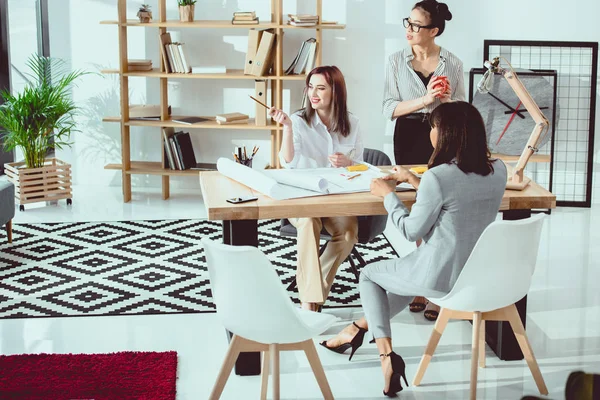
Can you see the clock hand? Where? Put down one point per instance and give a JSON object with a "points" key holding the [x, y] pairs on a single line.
{"points": [[509, 121], [506, 105], [509, 112]]}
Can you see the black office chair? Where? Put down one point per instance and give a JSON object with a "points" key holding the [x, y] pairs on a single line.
{"points": [[369, 227]]}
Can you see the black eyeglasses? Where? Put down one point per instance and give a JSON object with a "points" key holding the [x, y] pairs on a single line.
{"points": [[415, 27]]}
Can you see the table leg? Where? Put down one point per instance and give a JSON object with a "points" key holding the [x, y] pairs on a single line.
{"points": [[499, 335], [243, 233]]}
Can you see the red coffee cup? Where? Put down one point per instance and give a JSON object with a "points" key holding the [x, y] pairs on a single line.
{"points": [[441, 82]]}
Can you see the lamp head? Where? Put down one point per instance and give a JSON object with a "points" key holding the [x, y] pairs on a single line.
{"points": [[486, 82]]}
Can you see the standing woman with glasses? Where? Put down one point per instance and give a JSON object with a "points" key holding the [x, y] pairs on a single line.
{"points": [[414, 88]]}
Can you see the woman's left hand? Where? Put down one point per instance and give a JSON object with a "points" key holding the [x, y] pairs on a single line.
{"points": [[339, 160], [446, 97], [382, 187]]}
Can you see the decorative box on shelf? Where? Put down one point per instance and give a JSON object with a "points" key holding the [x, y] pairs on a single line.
{"points": [[49, 183]]}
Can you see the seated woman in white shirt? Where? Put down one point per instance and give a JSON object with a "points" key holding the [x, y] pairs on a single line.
{"points": [[321, 135]]}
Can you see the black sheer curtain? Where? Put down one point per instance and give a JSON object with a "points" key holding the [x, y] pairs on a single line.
{"points": [[5, 64], [4, 72]]}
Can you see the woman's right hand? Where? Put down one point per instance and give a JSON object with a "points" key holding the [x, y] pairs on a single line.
{"points": [[431, 92], [400, 174], [280, 117]]}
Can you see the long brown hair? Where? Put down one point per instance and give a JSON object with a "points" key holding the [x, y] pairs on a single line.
{"points": [[461, 136], [340, 122]]}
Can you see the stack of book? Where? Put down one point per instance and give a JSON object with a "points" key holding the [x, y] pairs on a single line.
{"points": [[179, 152], [303, 19], [305, 59], [139, 65], [232, 118], [244, 18]]}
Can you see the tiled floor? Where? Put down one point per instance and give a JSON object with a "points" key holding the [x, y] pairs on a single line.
{"points": [[563, 320]]}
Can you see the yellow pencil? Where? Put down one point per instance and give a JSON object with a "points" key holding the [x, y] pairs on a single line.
{"points": [[352, 177]]}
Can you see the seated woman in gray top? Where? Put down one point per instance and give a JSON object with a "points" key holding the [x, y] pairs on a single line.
{"points": [[457, 198]]}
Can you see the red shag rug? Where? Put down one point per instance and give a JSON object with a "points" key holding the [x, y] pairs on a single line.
{"points": [[125, 375]]}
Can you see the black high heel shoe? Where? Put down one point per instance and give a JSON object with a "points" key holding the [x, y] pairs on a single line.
{"points": [[398, 370], [355, 343]]}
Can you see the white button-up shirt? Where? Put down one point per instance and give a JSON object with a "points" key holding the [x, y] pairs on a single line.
{"points": [[313, 143]]}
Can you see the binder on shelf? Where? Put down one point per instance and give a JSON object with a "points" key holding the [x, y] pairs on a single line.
{"points": [[169, 159], [253, 42], [262, 60], [183, 142], [260, 93]]}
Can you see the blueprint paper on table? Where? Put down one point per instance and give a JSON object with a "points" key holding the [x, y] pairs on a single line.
{"points": [[281, 184]]}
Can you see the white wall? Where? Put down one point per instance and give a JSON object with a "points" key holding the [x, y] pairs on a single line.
{"points": [[373, 31]]}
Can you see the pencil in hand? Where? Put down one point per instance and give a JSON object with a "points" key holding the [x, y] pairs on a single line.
{"points": [[260, 102]]}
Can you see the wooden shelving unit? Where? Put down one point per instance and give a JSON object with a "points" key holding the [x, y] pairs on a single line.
{"points": [[129, 167]]}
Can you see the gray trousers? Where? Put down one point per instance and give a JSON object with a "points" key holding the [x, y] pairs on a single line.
{"points": [[384, 293]]}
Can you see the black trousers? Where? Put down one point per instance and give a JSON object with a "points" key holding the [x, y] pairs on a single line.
{"points": [[411, 141]]}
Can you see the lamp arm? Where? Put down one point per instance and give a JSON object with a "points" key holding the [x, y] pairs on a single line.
{"points": [[541, 122]]}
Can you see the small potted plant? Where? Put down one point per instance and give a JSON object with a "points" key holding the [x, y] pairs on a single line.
{"points": [[38, 120], [186, 10], [144, 13]]}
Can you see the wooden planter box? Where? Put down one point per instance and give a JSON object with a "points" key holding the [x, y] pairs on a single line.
{"points": [[48, 183]]}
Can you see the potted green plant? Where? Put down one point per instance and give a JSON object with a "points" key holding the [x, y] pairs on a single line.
{"points": [[144, 13], [37, 120], [186, 10]]}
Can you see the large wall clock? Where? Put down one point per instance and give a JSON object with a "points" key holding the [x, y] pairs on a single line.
{"points": [[508, 124]]}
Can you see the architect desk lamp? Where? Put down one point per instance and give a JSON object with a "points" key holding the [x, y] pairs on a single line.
{"points": [[516, 180]]}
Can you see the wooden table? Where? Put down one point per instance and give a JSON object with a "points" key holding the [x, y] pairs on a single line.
{"points": [[240, 227]]}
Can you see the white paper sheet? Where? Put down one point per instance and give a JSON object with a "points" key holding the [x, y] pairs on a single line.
{"points": [[296, 183]]}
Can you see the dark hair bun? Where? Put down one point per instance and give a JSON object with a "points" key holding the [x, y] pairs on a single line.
{"points": [[442, 9]]}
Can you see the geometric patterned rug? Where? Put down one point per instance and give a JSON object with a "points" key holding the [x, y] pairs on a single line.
{"points": [[136, 267]]}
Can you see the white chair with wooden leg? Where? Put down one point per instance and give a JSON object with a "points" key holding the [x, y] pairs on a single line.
{"points": [[253, 305], [496, 275]]}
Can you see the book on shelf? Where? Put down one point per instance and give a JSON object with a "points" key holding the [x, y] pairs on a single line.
{"points": [[134, 68], [184, 58], [174, 55], [228, 117], [244, 21], [217, 69], [304, 61], [165, 40], [131, 62], [244, 14], [169, 160], [185, 150], [146, 112], [303, 19], [176, 58], [176, 155], [244, 18], [189, 120], [237, 121]]}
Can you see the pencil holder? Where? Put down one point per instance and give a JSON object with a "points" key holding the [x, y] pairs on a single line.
{"points": [[246, 162]]}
